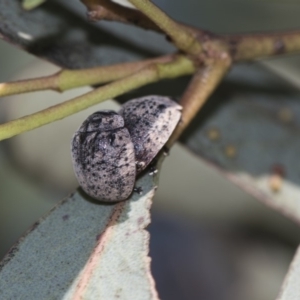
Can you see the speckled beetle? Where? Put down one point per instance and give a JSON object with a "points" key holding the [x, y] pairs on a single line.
{"points": [[109, 149], [150, 121]]}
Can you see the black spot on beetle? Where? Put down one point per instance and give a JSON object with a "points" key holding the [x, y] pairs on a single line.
{"points": [[161, 107], [111, 138]]}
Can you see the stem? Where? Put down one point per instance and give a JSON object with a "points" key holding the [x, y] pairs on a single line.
{"points": [[68, 79], [192, 40], [249, 47], [181, 36], [111, 11], [154, 72], [200, 88]]}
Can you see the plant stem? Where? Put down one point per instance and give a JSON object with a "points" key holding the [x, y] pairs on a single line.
{"points": [[111, 11], [180, 36], [68, 79], [241, 47], [154, 72], [200, 88], [250, 47]]}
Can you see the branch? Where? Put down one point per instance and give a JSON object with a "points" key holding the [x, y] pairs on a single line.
{"points": [[111, 11], [68, 79], [250, 47], [183, 38], [152, 73], [194, 41], [200, 88]]}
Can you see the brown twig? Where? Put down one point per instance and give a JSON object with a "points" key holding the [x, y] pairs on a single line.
{"points": [[254, 46], [149, 16], [243, 47], [111, 11], [200, 88]]}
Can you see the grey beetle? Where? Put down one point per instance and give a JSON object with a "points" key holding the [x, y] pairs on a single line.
{"points": [[150, 121], [109, 149]]}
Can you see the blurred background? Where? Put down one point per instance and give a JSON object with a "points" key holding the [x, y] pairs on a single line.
{"points": [[212, 232]]}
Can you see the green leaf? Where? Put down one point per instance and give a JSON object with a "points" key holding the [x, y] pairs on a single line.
{"points": [[85, 249]]}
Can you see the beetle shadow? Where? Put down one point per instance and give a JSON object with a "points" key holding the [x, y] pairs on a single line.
{"points": [[90, 199]]}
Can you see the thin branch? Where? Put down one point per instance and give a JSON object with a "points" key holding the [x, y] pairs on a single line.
{"points": [[152, 73], [68, 79], [183, 38], [192, 40], [250, 47], [111, 11], [200, 88]]}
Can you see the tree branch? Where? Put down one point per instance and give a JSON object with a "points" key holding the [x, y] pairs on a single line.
{"points": [[182, 38], [200, 88], [152, 73], [192, 40], [250, 47], [111, 11], [214, 52], [68, 79]]}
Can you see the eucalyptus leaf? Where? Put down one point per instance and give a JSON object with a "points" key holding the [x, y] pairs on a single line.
{"points": [[250, 131], [290, 288], [85, 250], [60, 32]]}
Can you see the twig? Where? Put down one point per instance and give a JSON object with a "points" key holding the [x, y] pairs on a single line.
{"points": [[250, 47], [183, 38], [111, 11], [192, 40], [68, 79], [209, 49], [154, 72], [200, 88]]}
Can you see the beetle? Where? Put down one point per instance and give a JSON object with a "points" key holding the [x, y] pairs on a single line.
{"points": [[110, 149]]}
